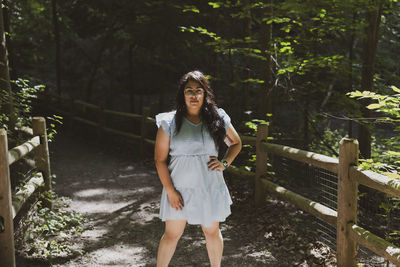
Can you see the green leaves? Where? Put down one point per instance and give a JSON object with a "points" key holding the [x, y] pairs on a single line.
{"points": [[23, 94], [49, 231], [386, 151], [320, 15], [388, 104], [215, 4], [201, 31], [255, 122], [190, 8], [276, 20], [394, 88], [251, 80], [375, 106]]}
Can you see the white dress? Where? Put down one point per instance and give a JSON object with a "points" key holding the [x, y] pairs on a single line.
{"points": [[205, 195]]}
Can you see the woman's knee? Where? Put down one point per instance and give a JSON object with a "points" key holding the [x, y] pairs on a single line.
{"points": [[172, 235], [211, 231], [174, 229]]}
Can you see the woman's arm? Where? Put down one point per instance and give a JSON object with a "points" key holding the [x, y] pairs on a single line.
{"points": [[234, 143], [160, 158]]}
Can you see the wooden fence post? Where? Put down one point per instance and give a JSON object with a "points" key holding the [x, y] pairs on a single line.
{"points": [[261, 164], [145, 114], [347, 203], [7, 252], [42, 159]]}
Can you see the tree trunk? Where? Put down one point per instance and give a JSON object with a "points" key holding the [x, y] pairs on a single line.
{"points": [[95, 67], [8, 106], [88, 92], [246, 70], [109, 94], [350, 72], [57, 40], [131, 88], [12, 70], [265, 104], [306, 125], [373, 19], [215, 57]]}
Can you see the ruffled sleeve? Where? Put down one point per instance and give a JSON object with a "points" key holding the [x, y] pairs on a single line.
{"points": [[165, 120], [225, 117]]}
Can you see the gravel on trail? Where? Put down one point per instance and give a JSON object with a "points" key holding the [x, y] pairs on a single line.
{"points": [[120, 193]]}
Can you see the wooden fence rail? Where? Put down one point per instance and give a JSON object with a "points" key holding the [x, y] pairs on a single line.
{"points": [[77, 109], [349, 234], [12, 202]]}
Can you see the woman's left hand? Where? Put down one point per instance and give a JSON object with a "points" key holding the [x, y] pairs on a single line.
{"points": [[215, 164]]}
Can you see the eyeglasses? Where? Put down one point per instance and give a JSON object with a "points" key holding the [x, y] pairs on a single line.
{"points": [[190, 92]]}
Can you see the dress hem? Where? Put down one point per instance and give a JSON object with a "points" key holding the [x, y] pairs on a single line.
{"points": [[191, 222]]}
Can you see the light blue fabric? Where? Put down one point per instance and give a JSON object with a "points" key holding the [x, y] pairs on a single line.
{"points": [[205, 195]]}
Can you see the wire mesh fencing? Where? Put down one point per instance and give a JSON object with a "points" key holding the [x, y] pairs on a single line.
{"points": [[320, 185]]}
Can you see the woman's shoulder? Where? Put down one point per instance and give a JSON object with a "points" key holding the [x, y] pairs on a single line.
{"points": [[222, 112], [165, 116], [167, 113], [225, 117]]}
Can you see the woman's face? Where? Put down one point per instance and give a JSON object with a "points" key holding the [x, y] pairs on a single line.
{"points": [[194, 95]]}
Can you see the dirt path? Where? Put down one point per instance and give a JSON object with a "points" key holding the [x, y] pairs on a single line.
{"points": [[122, 197]]}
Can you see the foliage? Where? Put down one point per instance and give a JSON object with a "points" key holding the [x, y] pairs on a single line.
{"points": [[331, 138], [247, 156], [49, 231], [389, 153], [309, 47], [386, 157], [23, 95], [22, 101], [253, 124], [315, 52]]}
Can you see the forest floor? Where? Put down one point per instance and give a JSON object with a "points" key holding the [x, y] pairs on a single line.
{"points": [[121, 194]]}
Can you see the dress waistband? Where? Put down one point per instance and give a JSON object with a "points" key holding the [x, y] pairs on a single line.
{"points": [[191, 155]]}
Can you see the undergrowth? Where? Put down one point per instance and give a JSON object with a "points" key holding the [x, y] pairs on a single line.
{"points": [[46, 234]]}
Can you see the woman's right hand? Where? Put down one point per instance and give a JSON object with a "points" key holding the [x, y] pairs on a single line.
{"points": [[175, 199]]}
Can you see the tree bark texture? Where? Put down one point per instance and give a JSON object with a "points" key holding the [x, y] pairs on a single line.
{"points": [[58, 49], [8, 106], [265, 104], [373, 19], [246, 70]]}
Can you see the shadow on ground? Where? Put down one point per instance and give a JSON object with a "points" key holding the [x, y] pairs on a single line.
{"points": [[121, 195]]}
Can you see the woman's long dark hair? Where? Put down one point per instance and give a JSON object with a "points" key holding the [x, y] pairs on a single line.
{"points": [[209, 114]]}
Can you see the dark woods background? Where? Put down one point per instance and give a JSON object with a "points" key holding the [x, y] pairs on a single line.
{"points": [[293, 59], [288, 63]]}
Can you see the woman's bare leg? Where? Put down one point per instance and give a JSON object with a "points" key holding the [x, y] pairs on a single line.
{"points": [[173, 231], [214, 243]]}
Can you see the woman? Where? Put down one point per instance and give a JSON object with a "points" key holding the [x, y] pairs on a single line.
{"points": [[194, 190]]}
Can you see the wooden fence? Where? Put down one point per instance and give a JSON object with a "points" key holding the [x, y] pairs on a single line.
{"points": [[349, 234], [76, 109], [11, 203]]}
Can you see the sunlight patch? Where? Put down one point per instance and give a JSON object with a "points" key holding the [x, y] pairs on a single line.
{"points": [[126, 175], [117, 255], [97, 206], [128, 168], [91, 192], [262, 256]]}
